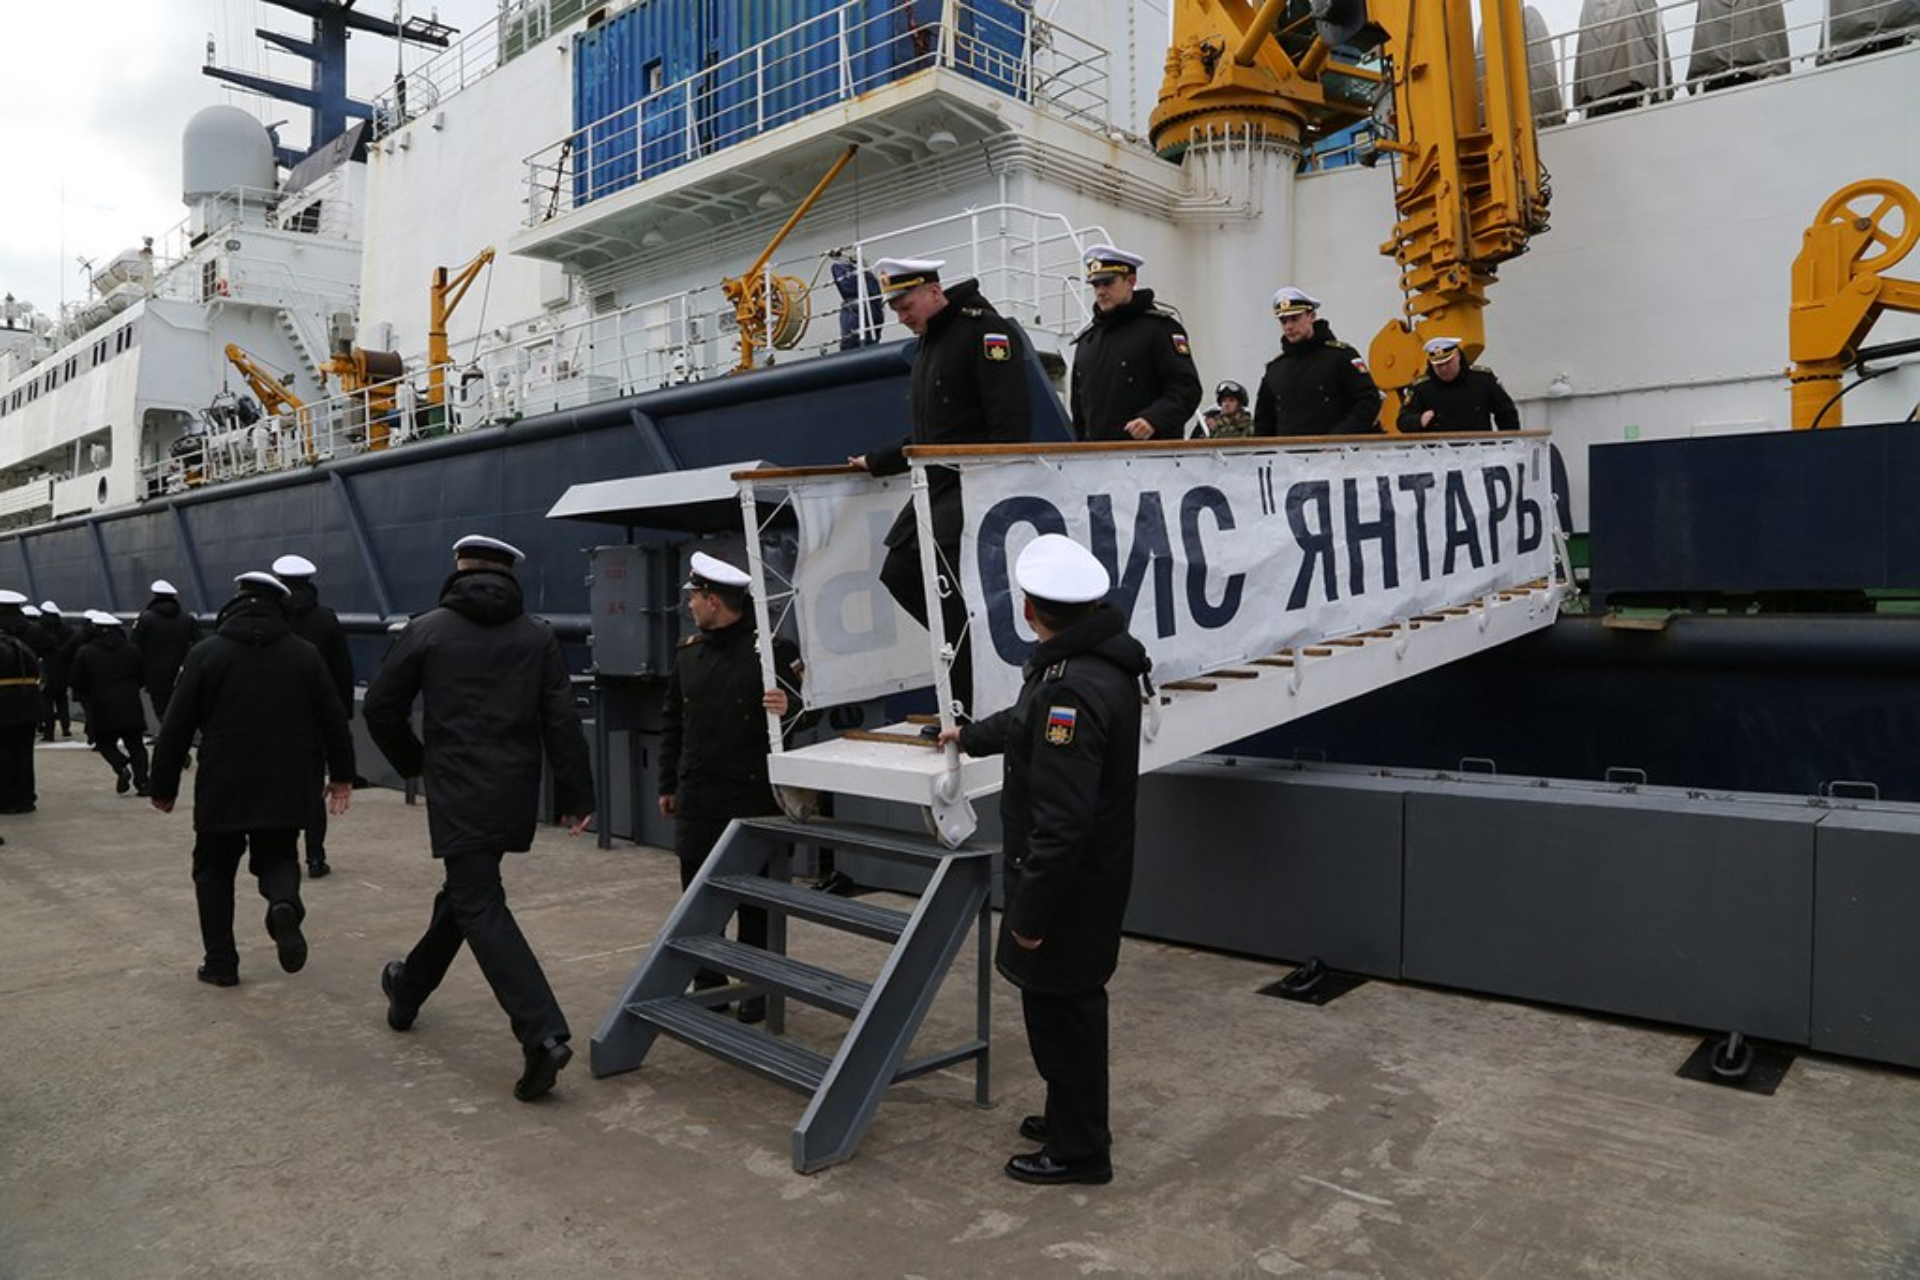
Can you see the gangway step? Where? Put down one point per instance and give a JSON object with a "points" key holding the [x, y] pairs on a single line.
{"points": [[821, 988], [780, 1061], [864, 918]]}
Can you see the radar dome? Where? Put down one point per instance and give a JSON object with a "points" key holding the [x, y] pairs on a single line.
{"points": [[225, 147]]}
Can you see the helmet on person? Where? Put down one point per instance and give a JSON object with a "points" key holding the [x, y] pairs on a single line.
{"points": [[1230, 388]]}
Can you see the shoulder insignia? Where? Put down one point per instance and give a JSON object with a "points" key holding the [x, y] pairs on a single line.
{"points": [[996, 346], [1162, 310], [1419, 379], [1480, 368], [973, 311], [1058, 671], [1181, 346], [1338, 345], [1059, 732], [687, 642]]}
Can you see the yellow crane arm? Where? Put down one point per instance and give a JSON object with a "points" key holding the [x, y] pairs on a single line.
{"points": [[272, 393], [1839, 291], [445, 294]]}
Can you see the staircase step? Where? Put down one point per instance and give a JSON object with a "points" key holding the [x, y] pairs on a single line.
{"points": [[819, 987], [848, 914], [866, 839], [780, 1061]]}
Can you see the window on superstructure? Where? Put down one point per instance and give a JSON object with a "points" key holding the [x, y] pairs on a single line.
{"points": [[209, 280], [306, 220], [73, 367]]}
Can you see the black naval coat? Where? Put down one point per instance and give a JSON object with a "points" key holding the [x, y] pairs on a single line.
{"points": [[713, 755], [496, 698], [162, 634], [54, 663], [1317, 387], [107, 676], [21, 702], [1133, 362], [969, 386], [320, 627], [1474, 401], [263, 703], [1072, 747]]}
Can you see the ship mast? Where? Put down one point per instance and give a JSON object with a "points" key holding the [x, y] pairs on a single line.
{"points": [[325, 95]]}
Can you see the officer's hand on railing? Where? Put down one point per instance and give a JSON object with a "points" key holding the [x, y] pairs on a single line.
{"points": [[948, 735], [775, 701], [858, 461], [1139, 429]]}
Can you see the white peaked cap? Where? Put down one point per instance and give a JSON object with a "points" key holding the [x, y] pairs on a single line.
{"points": [[48, 606], [1106, 260], [713, 571], [1055, 567], [255, 578], [101, 618], [1439, 349], [480, 547], [12, 597], [897, 275], [1289, 300], [30, 610], [161, 587], [294, 567]]}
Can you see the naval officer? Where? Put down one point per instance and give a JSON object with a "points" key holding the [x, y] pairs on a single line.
{"points": [[1133, 374], [1455, 396], [495, 700], [320, 627], [969, 386], [1317, 385], [1071, 744]]}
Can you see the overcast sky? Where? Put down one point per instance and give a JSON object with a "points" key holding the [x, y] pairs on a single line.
{"points": [[94, 96]]}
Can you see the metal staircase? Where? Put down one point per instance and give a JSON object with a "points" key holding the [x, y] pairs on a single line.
{"points": [[749, 868]]}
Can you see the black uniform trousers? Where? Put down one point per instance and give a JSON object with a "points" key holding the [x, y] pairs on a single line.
{"points": [[900, 575], [316, 835], [471, 907], [693, 840], [59, 710], [16, 768], [1067, 1034], [271, 857], [134, 757]]}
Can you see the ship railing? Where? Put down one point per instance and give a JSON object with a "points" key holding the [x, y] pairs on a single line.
{"points": [[1647, 52], [179, 273], [824, 61], [1028, 262]]}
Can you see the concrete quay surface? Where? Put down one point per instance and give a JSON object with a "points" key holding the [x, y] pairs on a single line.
{"points": [[152, 1126]]}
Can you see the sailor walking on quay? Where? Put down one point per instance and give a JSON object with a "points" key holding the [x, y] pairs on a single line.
{"points": [[1133, 374], [969, 386], [274, 746], [496, 699], [320, 627], [713, 752], [53, 672], [162, 634], [107, 678], [1317, 385], [1455, 396], [1072, 748], [21, 706]]}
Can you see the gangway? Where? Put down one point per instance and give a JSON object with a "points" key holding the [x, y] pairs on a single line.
{"points": [[1267, 579]]}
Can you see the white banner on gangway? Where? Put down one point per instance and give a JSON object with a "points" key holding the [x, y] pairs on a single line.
{"points": [[1226, 555]]}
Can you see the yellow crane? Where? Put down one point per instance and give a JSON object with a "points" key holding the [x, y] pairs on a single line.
{"points": [[274, 395], [1839, 290], [775, 307], [446, 294], [1469, 191]]}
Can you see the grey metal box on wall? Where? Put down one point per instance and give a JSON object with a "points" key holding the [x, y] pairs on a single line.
{"points": [[1261, 858], [634, 592], [1652, 905], [1866, 959]]}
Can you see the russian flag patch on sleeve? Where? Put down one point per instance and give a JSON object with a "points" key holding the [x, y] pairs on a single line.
{"points": [[1060, 725]]}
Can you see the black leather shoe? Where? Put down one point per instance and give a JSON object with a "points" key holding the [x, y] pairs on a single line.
{"points": [[318, 870], [1034, 1128], [1043, 1170], [283, 926], [752, 1009], [544, 1061], [123, 782], [400, 1014], [216, 977]]}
